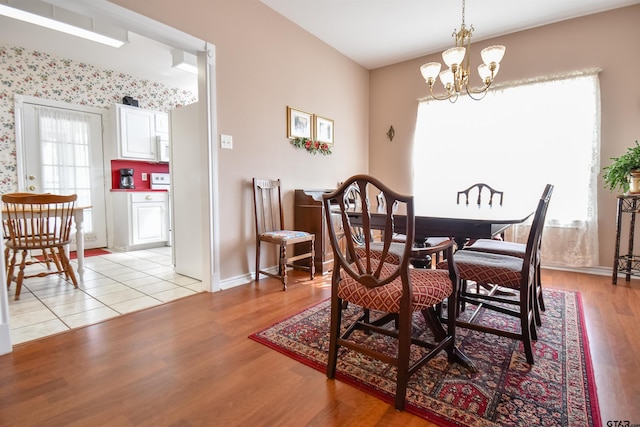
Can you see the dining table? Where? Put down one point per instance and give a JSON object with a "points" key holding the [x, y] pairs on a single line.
{"points": [[458, 221], [78, 220]]}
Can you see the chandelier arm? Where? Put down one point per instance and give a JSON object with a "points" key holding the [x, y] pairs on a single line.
{"points": [[482, 92], [448, 96]]}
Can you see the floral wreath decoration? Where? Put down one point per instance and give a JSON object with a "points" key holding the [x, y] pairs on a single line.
{"points": [[311, 146]]}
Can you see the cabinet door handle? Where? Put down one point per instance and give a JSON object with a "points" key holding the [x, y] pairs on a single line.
{"points": [[148, 197]]}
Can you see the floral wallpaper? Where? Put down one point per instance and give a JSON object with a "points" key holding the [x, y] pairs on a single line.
{"points": [[33, 73]]}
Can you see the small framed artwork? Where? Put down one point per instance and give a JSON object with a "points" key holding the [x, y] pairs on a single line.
{"points": [[299, 124], [324, 130]]}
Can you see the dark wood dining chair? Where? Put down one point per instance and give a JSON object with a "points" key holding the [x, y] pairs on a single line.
{"points": [[389, 293], [269, 221], [504, 271], [518, 250], [38, 222]]}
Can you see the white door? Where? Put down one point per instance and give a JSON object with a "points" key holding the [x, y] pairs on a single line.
{"points": [[186, 192], [60, 151]]}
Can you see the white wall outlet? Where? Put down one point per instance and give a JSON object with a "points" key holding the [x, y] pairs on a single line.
{"points": [[226, 141], [144, 176]]}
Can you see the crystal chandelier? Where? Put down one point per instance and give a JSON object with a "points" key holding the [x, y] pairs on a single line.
{"points": [[455, 79]]}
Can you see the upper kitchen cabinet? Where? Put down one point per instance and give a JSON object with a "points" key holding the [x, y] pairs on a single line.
{"points": [[141, 134]]}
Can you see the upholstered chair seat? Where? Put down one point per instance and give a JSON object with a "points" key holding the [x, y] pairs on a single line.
{"points": [[429, 287]]}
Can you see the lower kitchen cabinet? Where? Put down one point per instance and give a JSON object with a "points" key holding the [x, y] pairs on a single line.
{"points": [[141, 219]]}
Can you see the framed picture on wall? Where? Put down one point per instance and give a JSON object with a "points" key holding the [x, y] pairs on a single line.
{"points": [[324, 130], [299, 124]]}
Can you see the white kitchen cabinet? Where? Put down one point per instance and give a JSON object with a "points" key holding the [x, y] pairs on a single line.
{"points": [[140, 133], [141, 219]]}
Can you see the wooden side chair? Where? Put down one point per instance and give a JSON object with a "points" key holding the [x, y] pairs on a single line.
{"points": [[387, 292], [269, 220], [38, 222], [504, 271]]}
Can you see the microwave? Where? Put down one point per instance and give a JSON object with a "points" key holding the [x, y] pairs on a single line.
{"points": [[164, 150]]}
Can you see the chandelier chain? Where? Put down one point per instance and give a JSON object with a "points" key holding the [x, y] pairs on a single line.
{"points": [[463, 2]]}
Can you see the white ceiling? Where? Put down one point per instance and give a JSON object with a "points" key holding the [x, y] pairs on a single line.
{"points": [[375, 33], [140, 57]]}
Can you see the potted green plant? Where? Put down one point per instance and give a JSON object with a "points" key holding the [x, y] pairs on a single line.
{"points": [[624, 171]]}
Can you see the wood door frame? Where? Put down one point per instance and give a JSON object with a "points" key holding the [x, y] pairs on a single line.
{"points": [[207, 94]]}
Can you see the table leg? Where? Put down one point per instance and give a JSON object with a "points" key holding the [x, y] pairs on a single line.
{"points": [[434, 323], [616, 257], [79, 219]]}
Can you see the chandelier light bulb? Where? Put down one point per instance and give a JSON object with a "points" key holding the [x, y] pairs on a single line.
{"points": [[492, 54], [430, 70], [453, 56], [446, 77]]}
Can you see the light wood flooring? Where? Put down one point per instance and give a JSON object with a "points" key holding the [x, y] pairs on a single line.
{"points": [[189, 363]]}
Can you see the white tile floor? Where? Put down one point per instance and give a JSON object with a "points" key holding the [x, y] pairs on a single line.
{"points": [[113, 284]]}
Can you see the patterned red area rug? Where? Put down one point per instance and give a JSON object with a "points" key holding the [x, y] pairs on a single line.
{"points": [[87, 253], [558, 390]]}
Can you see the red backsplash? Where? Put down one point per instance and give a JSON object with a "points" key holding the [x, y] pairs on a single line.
{"points": [[138, 169]]}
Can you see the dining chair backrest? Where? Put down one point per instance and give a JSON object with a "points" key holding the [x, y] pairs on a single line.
{"points": [[535, 235], [358, 259], [38, 220], [480, 187], [268, 205]]}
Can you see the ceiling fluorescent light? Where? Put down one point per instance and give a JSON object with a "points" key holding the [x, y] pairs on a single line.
{"points": [[184, 61], [55, 18]]}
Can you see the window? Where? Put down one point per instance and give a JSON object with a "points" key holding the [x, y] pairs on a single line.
{"points": [[518, 139]]}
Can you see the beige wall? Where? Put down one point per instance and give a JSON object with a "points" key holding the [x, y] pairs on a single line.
{"points": [[590, 41], [265, 63]]}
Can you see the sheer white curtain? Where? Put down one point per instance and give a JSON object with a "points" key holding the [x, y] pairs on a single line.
{"points": [[65, 155], [518, 139]]}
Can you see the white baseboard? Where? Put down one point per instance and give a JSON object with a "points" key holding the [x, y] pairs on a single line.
{"points": [[243, 279]]}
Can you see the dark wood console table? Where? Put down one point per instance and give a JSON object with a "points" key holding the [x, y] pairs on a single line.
{"points": [[309, 217], [629, 263]]}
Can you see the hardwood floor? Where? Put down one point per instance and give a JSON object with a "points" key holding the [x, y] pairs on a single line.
{"points": [[190, 363]]}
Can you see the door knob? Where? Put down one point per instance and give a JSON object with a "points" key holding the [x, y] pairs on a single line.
{"points": [[32, 188]]}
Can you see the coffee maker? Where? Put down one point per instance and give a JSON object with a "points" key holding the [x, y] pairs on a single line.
{"points": [[126, 179]]}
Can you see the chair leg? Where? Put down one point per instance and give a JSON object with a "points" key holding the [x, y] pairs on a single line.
{"points": [[56, 261], [404, 350], [257, 261], [20, 277], [526, 325], [283, 266], [66, 264], [336, 319], [10, 269]]}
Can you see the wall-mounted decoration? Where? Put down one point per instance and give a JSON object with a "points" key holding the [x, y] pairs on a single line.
{"points": [[391, 133], [324, 130], [312, 146], [299, 124]]}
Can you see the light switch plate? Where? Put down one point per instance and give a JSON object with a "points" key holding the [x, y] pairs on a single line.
{"points": [[144, 176], [226, 141]]}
